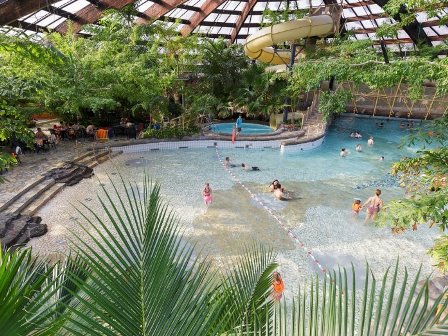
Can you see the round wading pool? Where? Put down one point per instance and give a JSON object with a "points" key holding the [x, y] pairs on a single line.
{"points": [[246, 129]]}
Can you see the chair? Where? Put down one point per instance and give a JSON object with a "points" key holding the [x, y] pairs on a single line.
{"points": [[102, 135]]}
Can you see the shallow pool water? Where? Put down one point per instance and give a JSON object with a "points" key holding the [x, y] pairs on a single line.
{"points": [[319, 215], [246, 129]]}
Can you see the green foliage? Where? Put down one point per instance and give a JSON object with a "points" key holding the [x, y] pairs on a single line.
{"points": [[424, 177], [171, 132], [439, 253], [271, 17], [264, 92], [333, 102], [133, 274], [6, 162], [221, 70], [119, 71]]}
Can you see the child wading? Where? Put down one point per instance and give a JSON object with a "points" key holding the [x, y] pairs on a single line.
{"points": [[356, 207], [278, 287]]}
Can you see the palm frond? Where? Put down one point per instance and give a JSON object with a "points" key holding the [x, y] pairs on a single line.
{"points": [[26, 288], [329, 306], [144, 277]]}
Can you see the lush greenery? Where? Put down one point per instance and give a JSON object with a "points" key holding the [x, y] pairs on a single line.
{"points": [[131, 273], [176, 132]]}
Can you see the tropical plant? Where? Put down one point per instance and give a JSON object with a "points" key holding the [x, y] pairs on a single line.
{"points": [[332, 306], [424, 178], [135, 274]]}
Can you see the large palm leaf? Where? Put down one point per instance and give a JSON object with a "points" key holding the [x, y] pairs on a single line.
{"points": [[145, 278], [29, 294], [330, 307]]}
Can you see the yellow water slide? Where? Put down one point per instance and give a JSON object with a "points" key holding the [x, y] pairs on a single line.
{"points": [[258, 46]]}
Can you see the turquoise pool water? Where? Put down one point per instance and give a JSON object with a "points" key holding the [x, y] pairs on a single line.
{"points": [[320, 214], [246, 129]]}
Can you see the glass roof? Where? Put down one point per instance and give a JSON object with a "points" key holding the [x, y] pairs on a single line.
{"points": [[233, 20]]}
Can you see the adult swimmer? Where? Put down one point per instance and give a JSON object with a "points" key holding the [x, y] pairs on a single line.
{"points": [[247, 167]]}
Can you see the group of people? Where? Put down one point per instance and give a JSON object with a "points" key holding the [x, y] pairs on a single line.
{"points": [[344, 152], [280, 192], [374, 205]]}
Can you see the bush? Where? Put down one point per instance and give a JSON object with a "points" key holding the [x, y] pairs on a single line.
{"points": [[170, 133]]}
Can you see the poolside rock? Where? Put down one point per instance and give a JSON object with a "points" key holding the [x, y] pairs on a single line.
{"points": [[387, 180], [70, 173], [17, 229]]}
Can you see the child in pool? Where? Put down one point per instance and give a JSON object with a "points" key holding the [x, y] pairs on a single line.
{"points": [[356, 207], [227, 163], [207, 194]]}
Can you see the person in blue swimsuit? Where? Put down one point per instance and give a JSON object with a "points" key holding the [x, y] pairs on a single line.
{"points": [[239, 124]]}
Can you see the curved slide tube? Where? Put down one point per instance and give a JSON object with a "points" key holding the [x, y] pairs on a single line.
{"points": [[258, 46]]}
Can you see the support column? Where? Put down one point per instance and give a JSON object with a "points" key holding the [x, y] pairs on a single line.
{"points": [[288, 99]]}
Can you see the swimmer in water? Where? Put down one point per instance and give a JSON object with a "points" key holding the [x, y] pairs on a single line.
{"points": [[274, 185], [282, 194], [370, 141], [374, 203], [207, 194], [228, 164], [358, 148], [247, 167]]}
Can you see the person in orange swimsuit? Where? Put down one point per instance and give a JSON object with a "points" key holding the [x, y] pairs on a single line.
{"points": [[278, 287]]}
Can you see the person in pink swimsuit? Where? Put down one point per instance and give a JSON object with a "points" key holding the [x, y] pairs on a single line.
{"points": [[207, 194], [374, 203]]}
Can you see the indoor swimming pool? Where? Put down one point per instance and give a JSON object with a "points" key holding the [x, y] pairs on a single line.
{"points": [[324, 186]]}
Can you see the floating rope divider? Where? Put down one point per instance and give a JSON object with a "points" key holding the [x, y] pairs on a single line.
{"points": [[273, 215]]}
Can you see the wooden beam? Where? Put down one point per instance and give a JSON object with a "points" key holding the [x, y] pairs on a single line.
{"points": [[12, 10], [245, 12], [159, 9], [92, 13], [196, 19]]}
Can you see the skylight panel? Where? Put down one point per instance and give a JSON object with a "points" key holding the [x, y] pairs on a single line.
{"points": [[353, 25], [261, 6], [222, 18], [231, 5], [256, 18], [48, 20], [226, 30], [347, 13], [212, 17], [442, 30], [422, 17], [187, 15], [317, 3], [195, 3], [144, 5], [176, 12], [62, 3], [75, 6], [56, 23], [232, 18], [368, 23], [402, 34], [33, 18], [375, 9], [302, 4], [360, 11], [429, 31]]}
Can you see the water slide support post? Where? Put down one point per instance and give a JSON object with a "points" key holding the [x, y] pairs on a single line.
{"points": [[288, 99]]}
